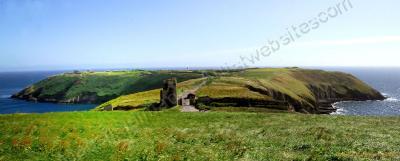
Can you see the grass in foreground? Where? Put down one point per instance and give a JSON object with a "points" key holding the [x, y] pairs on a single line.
{"points": [[197, 136]]}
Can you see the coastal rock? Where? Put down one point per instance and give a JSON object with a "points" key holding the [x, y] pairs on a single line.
{"points": [[325, 96]]}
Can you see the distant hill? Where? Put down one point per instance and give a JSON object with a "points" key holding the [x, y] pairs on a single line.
{"points": [[98, 87]]}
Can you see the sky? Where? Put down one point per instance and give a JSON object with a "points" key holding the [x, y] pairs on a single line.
{"points": [[92, 34]]}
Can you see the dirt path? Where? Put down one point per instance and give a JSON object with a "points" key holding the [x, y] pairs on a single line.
{"points": [[190, 108]]}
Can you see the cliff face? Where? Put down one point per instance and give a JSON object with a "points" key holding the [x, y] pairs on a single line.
{"points": [[326, 96], [39, 94], [84, 98], [320, 104]]}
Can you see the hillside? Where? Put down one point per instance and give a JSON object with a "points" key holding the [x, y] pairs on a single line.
{"points": [[197, 136], [289, 89], [98, 87], [147, 98]]}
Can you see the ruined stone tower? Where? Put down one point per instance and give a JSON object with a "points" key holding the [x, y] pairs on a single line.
{"points": [[168, 96]]}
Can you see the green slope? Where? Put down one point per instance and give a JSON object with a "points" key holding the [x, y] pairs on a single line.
{"points": [[285, 88], [197, 136]]}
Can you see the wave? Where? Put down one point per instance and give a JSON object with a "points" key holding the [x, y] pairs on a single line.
{"points": [[339, 110], [391, 99]]}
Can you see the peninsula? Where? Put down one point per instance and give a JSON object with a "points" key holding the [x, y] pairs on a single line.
{"points": [[287, 89]]}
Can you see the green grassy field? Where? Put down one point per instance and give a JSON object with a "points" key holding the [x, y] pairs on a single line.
{"points": [[170, 135]]}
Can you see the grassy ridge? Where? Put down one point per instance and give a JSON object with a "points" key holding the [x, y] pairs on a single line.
{"points": [[285, 87], [233, 87], [197, 136], [295, 82]]}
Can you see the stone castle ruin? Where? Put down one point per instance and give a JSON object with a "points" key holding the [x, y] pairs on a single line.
{"points": [[168, 95]]}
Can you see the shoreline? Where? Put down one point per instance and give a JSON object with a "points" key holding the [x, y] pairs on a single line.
{"points": [[339, 110]]}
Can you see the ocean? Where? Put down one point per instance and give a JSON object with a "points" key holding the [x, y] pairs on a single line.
{"points": [[385, 80]]}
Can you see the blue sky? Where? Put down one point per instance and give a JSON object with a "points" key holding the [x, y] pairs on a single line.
{"points": [[87, 34]]}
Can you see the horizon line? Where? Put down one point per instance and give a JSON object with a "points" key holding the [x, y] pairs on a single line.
{"points": [[181, 68]]}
